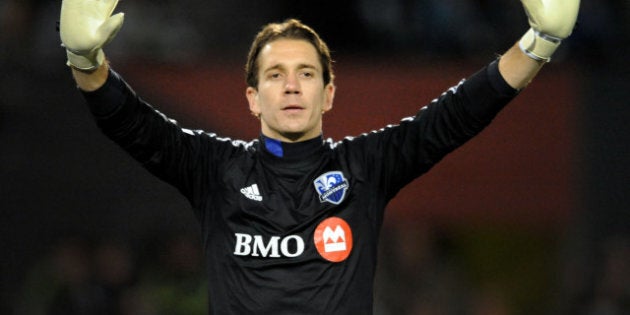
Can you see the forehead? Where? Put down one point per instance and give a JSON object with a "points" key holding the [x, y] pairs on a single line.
{"points": [[287, 52]]}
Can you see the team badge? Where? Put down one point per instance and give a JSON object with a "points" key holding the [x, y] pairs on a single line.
{"points": [[331, 187]]}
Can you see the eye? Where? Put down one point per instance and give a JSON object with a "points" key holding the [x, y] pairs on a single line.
{"points": [[274, 75], [308, 74]]}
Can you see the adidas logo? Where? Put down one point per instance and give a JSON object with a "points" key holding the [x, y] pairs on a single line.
{"points": [[252, 192]]}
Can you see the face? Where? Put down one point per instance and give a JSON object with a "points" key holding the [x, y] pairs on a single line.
{"points": [[291, 97]]}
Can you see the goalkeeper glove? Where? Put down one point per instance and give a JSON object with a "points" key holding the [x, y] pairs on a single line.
{"points": [[85, 27], [551, 21]]}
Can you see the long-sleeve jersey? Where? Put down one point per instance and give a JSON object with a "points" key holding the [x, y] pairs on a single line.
{"points": [[293, 228]]}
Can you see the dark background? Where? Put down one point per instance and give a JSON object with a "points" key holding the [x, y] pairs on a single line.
{"points": [[531, 217]]}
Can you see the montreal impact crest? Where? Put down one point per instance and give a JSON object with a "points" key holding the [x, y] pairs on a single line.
{"points": [[331, 187]]}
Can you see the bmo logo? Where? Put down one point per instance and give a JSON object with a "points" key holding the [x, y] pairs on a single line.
{"points": [[248, 245], [332, 238]]}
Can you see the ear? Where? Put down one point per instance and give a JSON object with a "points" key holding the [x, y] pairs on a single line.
{"points": [[252, 98], [329, 95]]}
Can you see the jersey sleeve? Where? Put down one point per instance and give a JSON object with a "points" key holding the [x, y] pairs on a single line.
{"points": [[409, 149], [184, 158]]}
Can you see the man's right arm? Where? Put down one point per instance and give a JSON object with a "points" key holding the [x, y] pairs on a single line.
{"points": [[85, 26], [90, 81]]}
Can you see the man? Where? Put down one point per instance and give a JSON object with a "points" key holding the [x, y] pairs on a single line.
{"points": [[290, 221]]}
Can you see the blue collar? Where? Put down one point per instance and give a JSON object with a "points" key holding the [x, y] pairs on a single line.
{"points": [[274, 146], [290, 150]]}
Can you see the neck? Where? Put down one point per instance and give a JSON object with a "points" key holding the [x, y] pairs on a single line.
{"points": [[291, 149]]}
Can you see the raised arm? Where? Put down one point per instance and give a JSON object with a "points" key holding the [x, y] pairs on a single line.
{"points": [[551, 21], [85, 26], [91, 80]]}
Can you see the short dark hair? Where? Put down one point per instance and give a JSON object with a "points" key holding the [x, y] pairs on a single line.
{"points": [[289, 29]]}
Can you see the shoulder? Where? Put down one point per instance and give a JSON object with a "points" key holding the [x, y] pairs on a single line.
{"points": [[222, 145]]}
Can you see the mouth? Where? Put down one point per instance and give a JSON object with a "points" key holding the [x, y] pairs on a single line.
{"points": [[292, 108]]}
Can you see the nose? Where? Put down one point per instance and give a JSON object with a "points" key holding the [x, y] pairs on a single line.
{"points": [[292, 85]]}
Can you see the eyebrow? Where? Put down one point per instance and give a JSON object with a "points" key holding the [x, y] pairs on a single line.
{"points": [[300, 66]]}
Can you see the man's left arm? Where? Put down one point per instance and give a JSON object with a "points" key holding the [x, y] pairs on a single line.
{"points": [[551, 21]]}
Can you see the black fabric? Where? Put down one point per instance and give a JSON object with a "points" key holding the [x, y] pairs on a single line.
{"points": [[260, 214]]}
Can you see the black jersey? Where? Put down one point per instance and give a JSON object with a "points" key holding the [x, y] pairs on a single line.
{"points": [[293, 228]]}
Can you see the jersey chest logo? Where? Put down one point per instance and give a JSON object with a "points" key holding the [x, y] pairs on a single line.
{"points": [[333, 239], [331, 187]]}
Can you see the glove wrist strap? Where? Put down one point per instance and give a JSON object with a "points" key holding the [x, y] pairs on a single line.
{"points": [[85, 63], [538, 46]]}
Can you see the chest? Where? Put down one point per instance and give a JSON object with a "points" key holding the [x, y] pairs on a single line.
{"points": [[274, 209], [283, 198]]}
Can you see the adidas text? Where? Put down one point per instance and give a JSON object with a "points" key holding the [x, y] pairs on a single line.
{"points": [[252, 192]]}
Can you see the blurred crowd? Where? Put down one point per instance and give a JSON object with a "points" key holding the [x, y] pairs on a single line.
{"points": [[178, 30], [421, 270], [81, 276]]}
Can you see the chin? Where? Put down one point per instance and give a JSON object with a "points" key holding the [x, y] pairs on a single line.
{"points": [[294, 136]]}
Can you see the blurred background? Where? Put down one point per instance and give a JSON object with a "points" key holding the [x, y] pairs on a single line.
{"points": [[530, 217]]}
